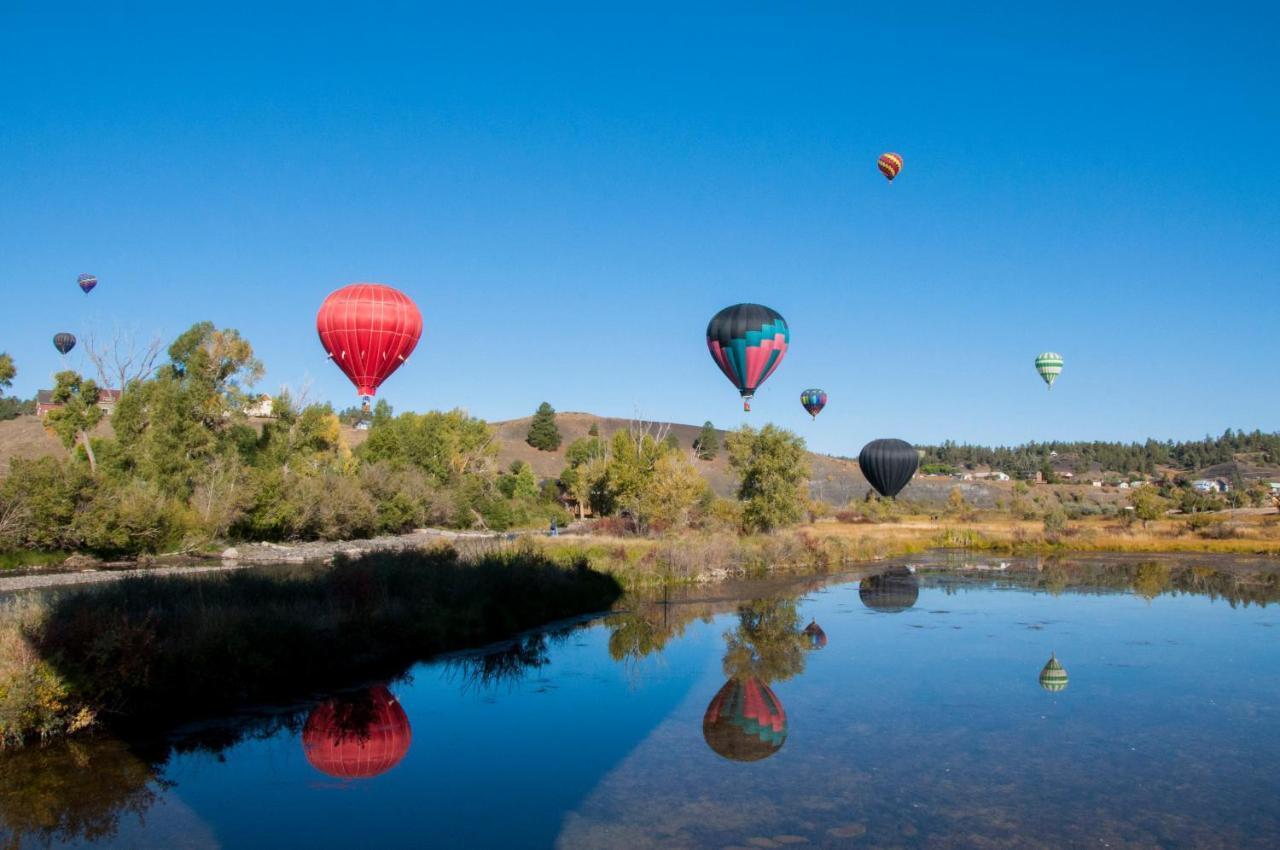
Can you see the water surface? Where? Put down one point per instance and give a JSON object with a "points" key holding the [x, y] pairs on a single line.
{"points": [[912, 713]]}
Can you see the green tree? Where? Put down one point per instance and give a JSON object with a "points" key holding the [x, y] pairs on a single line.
{"points": [[671, 491], [594, 430], [772, 468], [672, 442], [78, 415], [543, 433], [1147, 505], [707, 445], [526, 485], [7, 370], [447, 446]]}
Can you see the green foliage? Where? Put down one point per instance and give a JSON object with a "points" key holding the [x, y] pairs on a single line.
{"points": [[1147, 504], [671, 441], [39, 502], [543, 433], [583, 450], [594, 430], [79, 413], [1055, 523], [12, 408], [7, 370], [772, 468], [937, 469], [707, 445], [446, 446]]}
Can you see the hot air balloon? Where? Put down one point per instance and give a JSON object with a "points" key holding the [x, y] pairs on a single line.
{"points": [[890, 164], [1049, 365], [1053, 677], [813, 401], [888, 465], [87, 282], [745, 721], [891, 592], [357, 737], [747, 341], [368, 329], [816, 636], [64, 342]]}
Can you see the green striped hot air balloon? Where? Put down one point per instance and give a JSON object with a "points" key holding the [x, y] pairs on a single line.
{"points": [[1049, 365], [1053, 677]]}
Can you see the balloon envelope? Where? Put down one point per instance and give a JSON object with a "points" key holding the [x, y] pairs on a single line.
{"points": [[892, 592], [368, 329], [889, 164], [1049, 365], [357, 737], [64, 342], [888, 465], [748, 341], [1053, 677], [815, 636], [813, 400], [745, 721], [87, 282]]}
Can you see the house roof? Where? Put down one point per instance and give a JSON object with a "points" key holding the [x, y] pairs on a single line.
{"points": [[110, 396]]}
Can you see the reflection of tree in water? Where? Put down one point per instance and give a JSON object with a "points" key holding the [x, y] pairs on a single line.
{"points": [[72, 791], [768, 643]]}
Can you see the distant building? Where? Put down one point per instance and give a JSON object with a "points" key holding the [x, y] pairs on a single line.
{"points": [[1211, 485], [262, 407], [998, 476], [1095, 483], [1123, 485], [107, 400]]}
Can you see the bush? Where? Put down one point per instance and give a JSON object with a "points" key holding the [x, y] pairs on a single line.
{"points": [[40, 500], [130, 518], [1055, 523]]}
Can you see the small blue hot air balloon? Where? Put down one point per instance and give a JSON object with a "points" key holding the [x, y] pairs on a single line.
{"points": [[87, 282]]}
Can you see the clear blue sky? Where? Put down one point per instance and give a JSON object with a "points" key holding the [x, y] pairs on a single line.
{"points": [[570, 194]]}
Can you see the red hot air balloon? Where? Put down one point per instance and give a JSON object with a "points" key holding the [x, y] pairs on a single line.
{"points": [[368, 329], [889, 164], [357, 738]]}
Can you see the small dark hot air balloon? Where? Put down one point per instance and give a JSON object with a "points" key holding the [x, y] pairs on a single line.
{"points": [[813, 400], [87, 282], [745, 721], [64, 342], [889, 164], [368, 329], [815, 636], [888, 465], [891, 592], [1053, 677], [748, 341], [357, 736]]}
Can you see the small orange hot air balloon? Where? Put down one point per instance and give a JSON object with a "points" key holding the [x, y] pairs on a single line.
{"points": [[890, 164]]}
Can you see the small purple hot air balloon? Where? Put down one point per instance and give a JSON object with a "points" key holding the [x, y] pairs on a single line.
{"points": [[87, 282]]}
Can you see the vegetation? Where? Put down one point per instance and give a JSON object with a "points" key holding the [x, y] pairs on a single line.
{"points": [[174, 648], [773, 472], [707, 445], [78, 415], [543, 433]]}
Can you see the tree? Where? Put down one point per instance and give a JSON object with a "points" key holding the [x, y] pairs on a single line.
{"points": [[543, 433], [1147, 505], [956, 504], [7, 370], [670, 493], [122, 359], [594, 430], [78, 415], [707, 445], [672, 442], [772, 468]]}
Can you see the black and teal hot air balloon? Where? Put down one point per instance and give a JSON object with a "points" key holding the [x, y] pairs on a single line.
{"points": [[748, 341], [64, 342], [1053, 677], [745, 721], [888, 465], [813, 400], [87, 283], [1049, 365]]}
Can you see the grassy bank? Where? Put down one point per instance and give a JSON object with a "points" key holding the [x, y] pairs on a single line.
{"points": [[168, 649]]}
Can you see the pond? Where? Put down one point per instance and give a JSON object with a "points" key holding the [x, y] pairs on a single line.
{"points": [[941, 701]]}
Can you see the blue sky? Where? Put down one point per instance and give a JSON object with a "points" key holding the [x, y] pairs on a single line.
{"points": [[569, 194]]}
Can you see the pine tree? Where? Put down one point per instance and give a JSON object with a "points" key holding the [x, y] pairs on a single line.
{"points": [[543, 433], [594, 430], [708, 443]]}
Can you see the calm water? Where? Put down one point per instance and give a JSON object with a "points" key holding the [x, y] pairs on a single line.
{"points": [[917, 717]]}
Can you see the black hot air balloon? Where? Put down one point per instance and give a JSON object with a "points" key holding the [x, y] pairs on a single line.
{"points": [[64, 342], [892, 592], [888, 465]]}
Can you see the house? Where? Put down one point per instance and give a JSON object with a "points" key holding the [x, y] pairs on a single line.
{"points": [[107, 400], [1123, 485], [1095, 483], [262, 407], [1275, 487], [1211, 485], [998, 476]]}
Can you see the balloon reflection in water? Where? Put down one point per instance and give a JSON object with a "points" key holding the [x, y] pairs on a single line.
{"points": [[745, 721], [357, 736], [1053, 677], [891, 592], [815, 635]]}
